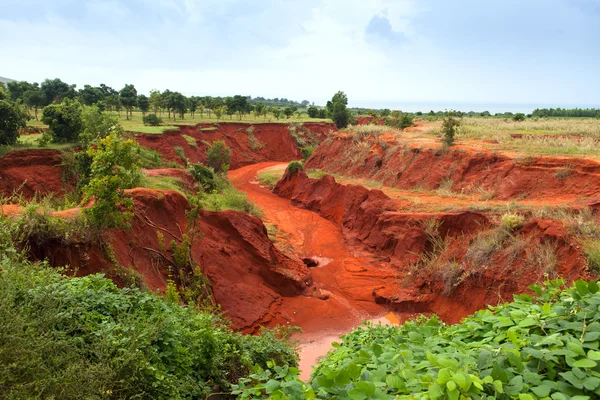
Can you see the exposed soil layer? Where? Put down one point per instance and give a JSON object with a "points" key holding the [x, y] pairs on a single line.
{"points": [[464, 171], [249, 143], [450, 283], [31, 171], [248, 275], [369, 120]]}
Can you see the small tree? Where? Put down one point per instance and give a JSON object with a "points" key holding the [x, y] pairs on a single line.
{"points": [[518, 117], [399, 120], [33, 98], [259, 109], [64, 121], [143, 103], [152, 120], [338, 110], [288, 111], [219, 157], [450, 125], [313, 112], [156, 101], [12, 119], [219, 111], [96, 124], [128, 96], [386, 112], [204, 176], [115, 167]]}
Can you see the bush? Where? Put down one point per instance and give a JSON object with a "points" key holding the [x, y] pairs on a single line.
{"points": [[76, 338], [519, 117], [295, 166], [313, 112], [399, 120], [64, 121], [204, 176], [338, 111], [152, 120], [307, 152], [114, 168], [96, 124], [12, 119], [512, 221], [450, 125], [219, 157]]}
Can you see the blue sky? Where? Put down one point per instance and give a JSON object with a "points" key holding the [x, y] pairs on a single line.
{"points": [[380, 52]]}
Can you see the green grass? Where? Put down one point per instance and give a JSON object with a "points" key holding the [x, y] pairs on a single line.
{"points": [[269, 179], [135, 124], [190, 140], [163, 183]]}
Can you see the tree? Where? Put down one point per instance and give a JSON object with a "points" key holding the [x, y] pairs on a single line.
{"points": [[64, 120], [128, 97], [313, 112], [55, 91], [177, 102], [12, 119], [323, 113], [110, 96], [218, 157], [4, 94], [33, 98], [17, 89], [219, 111], [193, 103], [90, 95], [276, 112], [238, 104], [143, 103], [519, 117], [259, 109], [156, 101], [339, 112], [288, 111], [399, 120], [115, 167], [96, 124], [386, 112], [450, 125]]}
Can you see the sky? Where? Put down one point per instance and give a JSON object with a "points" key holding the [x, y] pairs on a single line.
{"points": [[381, 53]]}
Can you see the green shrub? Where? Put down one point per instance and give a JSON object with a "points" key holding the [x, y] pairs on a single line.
{"points": [[152, 120], [75, 338], [96, 124], [204, 176], [219, 157], [543, 347], [450, 125], [12, 119], [64, 121], [399, 120], [519, 117], [307, 152], [295, 166], [114, 168]]}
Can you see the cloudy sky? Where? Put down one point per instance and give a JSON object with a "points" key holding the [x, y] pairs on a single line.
{"points": [[380, 52]]}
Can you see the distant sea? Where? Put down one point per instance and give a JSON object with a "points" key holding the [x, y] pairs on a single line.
{"points": [[493, 108]]}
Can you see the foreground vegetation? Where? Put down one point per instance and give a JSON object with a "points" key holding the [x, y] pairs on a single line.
{"points": [[542, 347], [73, 338]]}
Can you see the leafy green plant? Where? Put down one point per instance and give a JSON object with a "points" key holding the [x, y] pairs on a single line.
{"points": [[295, 166], [152, 120], [219, 157], [204, 176], [114, 168], [543, 347], [12, 119], [450, 125], [64, 121]]}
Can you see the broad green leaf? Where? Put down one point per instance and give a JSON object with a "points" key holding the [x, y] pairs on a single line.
{"points": [[585, 363]]}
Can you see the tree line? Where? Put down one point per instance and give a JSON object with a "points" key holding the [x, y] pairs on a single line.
{"points": [[567, 112], [35, 96]]}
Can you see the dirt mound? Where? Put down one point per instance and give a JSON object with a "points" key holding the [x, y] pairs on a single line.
{"points": [[442, 263], [462, 170], [247, 273], [249, 143], [31, 171]]}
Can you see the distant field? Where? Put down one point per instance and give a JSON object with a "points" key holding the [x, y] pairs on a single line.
{"points": [[135, 124], [545, 136]]}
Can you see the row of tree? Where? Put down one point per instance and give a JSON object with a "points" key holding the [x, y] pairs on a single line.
{"points": [[567, 112], [36, 96]]}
